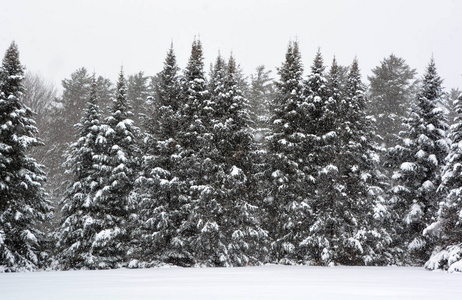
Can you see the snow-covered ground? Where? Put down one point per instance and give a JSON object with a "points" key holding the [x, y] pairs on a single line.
{"points": [[267, 282]]}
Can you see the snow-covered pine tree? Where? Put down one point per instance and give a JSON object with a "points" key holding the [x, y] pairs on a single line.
{"points": [[118, 167], [448, 227], [229, 231], [23, 203], [289, 173], [323, 97], [195, 141], [86, 165], [362, 239], [260, 95], [417, 161], [449, 100], [160, 194], [67, 113], [208, 211], [246, 238], [344, 229], [61, 130]]}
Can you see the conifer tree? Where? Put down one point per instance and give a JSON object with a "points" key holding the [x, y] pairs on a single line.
{"points": [[195, 142], [289, 173], [247, 240], [447, 229], [324, 96], [23, 203], [417, 162], [118, 169], [344, 230], [363, 240], [229, 231], [160, 193], [81, 217], [61, 130], [392, 90], [208, 210]]}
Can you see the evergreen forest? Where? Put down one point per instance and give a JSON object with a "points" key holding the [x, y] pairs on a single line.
{"points": [[205, 166]]}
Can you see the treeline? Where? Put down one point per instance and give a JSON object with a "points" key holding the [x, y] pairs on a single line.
{"points": [[190, 169]]}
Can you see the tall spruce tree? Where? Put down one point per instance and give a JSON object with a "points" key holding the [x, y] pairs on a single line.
{"points": [[343, 230], [363, 239], [447, 229], [78, 235], [67, 113], [289, 173], [207, 236], [160, 193], [247, 240], [119, 169], [194, 142], [417, 162], [229, 231], [324, 96], [23, 203], [61, 130]]}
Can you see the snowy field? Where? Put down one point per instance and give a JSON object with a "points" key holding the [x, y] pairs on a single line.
{"points": [[267, 282]]}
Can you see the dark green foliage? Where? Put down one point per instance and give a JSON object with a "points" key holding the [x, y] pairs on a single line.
{"points": [[230, 174], [66, 113], [229, 233], [343, 230], [447, 229], [364, 238], [417, 162], [82, 217], [23, 203], [160, 192], [118, 176], [289, 155], [328, 207]]}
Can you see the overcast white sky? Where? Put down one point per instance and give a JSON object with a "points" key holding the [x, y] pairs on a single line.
{"points": [[56, 37]]}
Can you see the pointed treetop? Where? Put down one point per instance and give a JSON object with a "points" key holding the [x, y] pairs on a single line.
{"points": [[12, 72], [93, 89], [231, 65], [354, 70], [291, 71], [318, 63], [121, 77], [120, 103], [334, 66], [354, 83], [195, 67], [432, 81], [170, 66], [121, 87], [334, 76], [219, 63]]}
